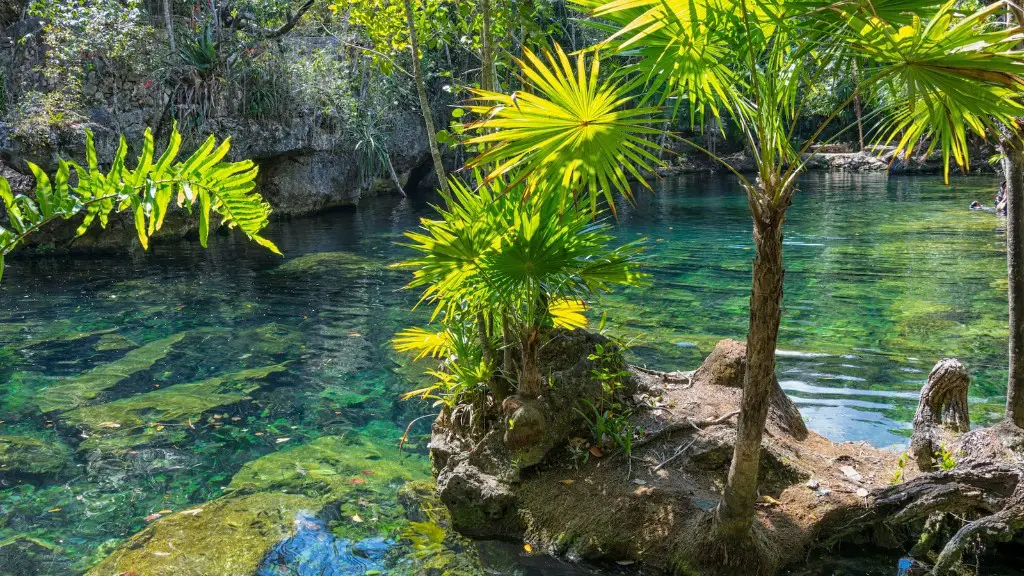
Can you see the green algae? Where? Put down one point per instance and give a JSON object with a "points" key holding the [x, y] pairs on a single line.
{"points": [[24, 454], [319, 263], [162, 415], [227, 536], [112, 341], [329, 467], [77, 391]]}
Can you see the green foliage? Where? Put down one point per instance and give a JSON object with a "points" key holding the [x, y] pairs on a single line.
{"points": [[79, 29], [572, 132], [200, 52], [608, 371], [609, 427], [947, 460], [900, 472], [501, 261], [203, 181]]}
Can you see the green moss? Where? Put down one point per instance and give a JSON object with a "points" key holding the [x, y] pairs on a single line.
{"points": [[330, 468], [113, 342], [77, 391], [32, 455], [161, 415], [230, 535], [327, 263]]}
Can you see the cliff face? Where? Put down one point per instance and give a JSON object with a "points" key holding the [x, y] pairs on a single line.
{"points": [[310, 160]]}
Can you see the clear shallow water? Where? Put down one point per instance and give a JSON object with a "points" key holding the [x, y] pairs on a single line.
{"points": [[151, 381]]}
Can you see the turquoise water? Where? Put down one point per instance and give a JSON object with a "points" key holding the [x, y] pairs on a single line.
{"points": [[143, 385]]}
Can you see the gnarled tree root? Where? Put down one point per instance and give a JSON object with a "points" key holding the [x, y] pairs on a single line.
{"points": [[995, 491]]}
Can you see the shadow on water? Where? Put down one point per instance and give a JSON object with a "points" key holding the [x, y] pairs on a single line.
{"points": [[141, 385]]}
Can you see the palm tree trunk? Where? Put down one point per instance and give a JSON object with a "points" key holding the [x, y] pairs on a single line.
{"points": [[736, 510], [1013, 169], [530, 379], [421, 90]]}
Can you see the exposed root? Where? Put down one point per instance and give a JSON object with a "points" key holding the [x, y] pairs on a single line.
{"points": [[942, 408], [684, 424], [999, 527]]}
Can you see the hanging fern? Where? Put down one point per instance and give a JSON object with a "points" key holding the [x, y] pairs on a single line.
{"points": [[203, 180]]}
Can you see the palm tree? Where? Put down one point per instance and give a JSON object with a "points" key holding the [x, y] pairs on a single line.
{"points": [[945, 74], [511, 263]]}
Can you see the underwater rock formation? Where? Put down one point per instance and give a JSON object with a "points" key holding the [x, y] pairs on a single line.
{"points": [[32, 455], [229, 535], [77, 391]]}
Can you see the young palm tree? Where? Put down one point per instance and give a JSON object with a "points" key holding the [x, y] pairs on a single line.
{"points": [[946, 73], [516, 262]]}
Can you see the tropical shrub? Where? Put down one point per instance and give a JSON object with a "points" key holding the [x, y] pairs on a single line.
{"points": [[501, 264]]}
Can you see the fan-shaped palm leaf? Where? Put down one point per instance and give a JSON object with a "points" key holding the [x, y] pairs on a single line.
{"points": [[570, 130]]}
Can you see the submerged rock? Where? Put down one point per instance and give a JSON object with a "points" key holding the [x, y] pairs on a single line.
{"points": [[145, 418], [32, 455], [314, 551], [327, 263], [79, 390], [230, 535], [327, 467]]}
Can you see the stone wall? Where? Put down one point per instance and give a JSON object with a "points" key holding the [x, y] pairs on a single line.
{"points": [[307, 164]]}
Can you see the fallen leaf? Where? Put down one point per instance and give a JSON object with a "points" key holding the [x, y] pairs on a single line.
{"points": [[109, 425], [54, 509], [568, 482], [639, 482], [357, 518], [152, 517], [527, 547], [162, 554], [354, 334], [595, 451], [357, 481], [769, 501], [862, 493], [166, 512], [193, 511], [280, 440], [625, 562], [159, 428], [367, 472]]}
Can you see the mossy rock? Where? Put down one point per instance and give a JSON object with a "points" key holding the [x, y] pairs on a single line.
{"points": [[158, 416], [32, 455], [79, 390], [329, 468], [230, 535], [113, 341], [327, 263]]}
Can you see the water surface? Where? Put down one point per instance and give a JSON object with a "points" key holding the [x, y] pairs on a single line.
{"points": [[152, 380]]}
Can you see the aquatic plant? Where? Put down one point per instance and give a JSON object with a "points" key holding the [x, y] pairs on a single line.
{"points": [[203, 181]]}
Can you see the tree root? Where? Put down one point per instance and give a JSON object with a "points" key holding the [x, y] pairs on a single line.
{"points": [[998, 527], [684, 424], [993, 490]]}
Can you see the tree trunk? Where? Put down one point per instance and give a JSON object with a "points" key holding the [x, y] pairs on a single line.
{"points": [[486, 53], [394, 176], [169, 22], [530, 381], [1013, 169], [943, 404], [857, 108], [421, 89], [736, 510]]}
